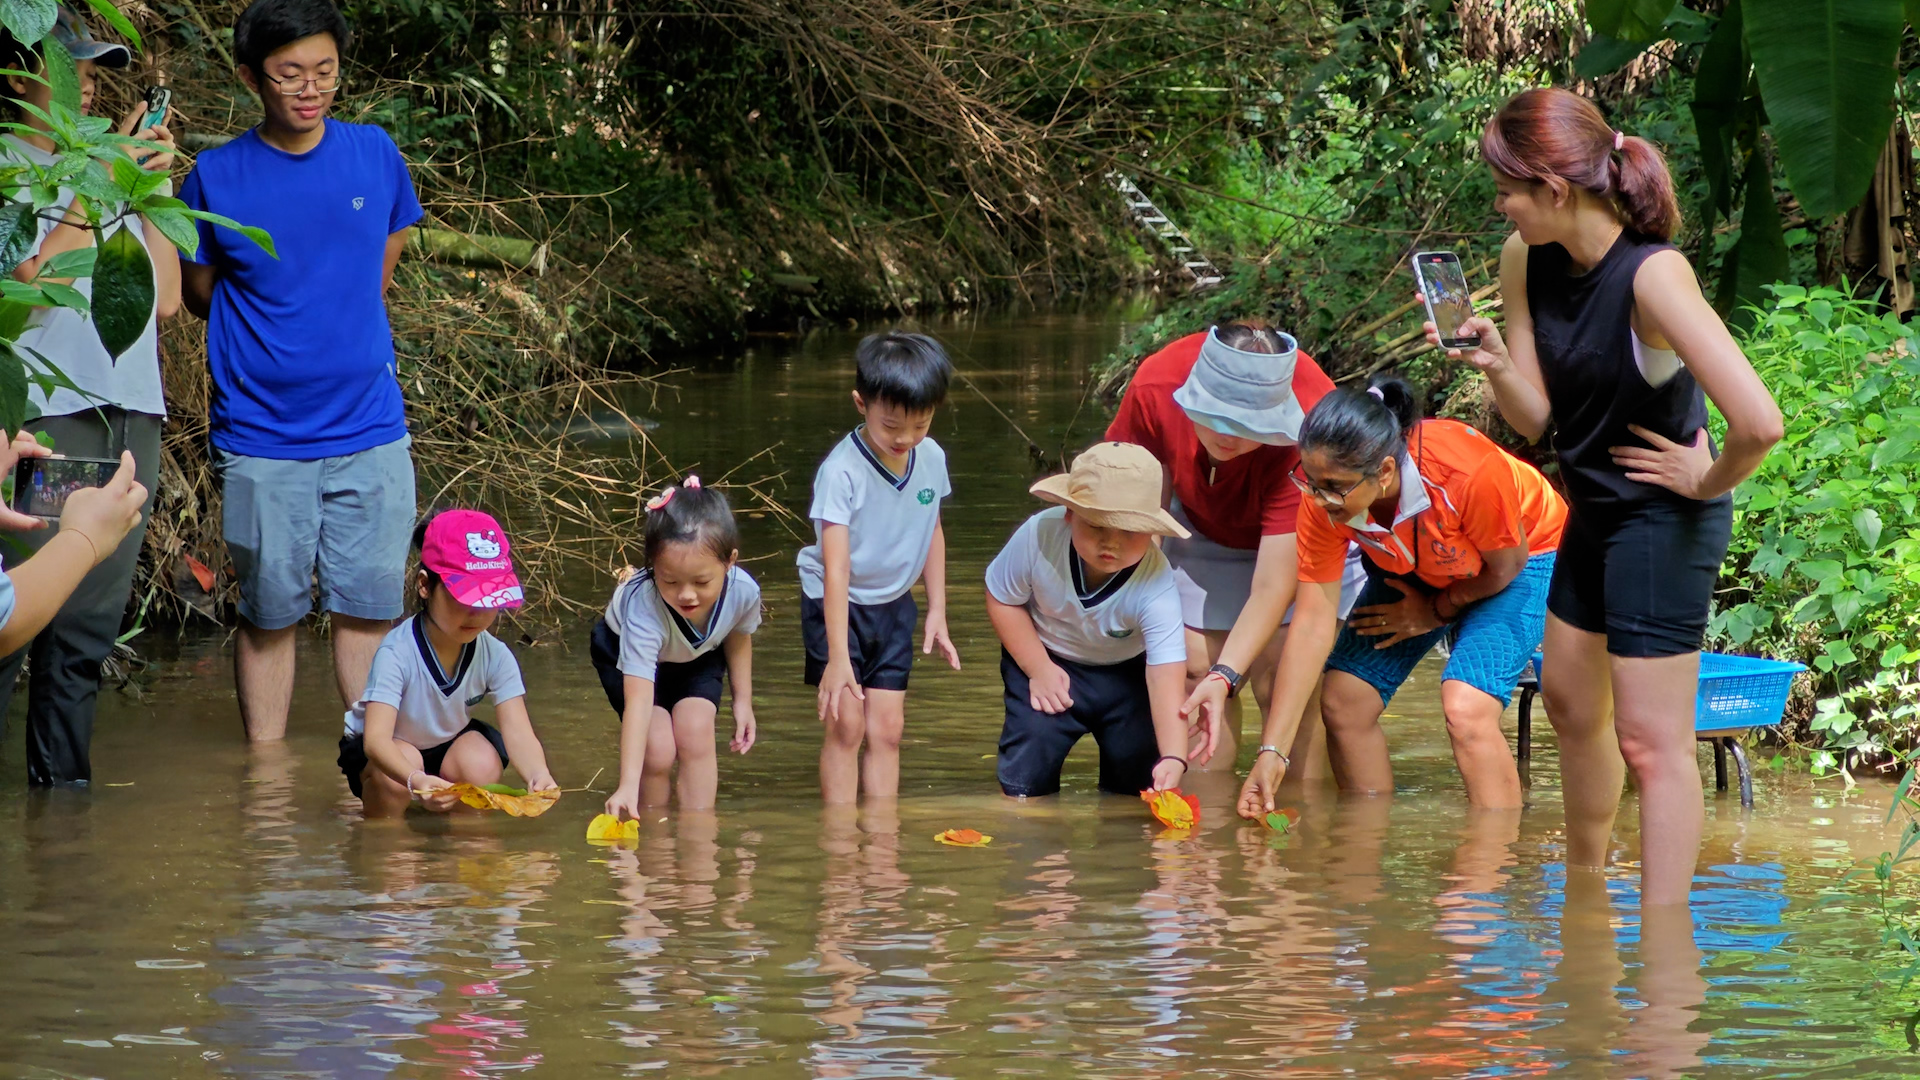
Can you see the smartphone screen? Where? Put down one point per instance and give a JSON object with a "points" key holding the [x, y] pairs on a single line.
{"points": [[41, 485], [1449, 301]]}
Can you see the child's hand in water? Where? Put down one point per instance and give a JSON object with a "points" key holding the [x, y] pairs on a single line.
{"points": [[434, 793], [624, 803], [744, 729], [541, 782]]}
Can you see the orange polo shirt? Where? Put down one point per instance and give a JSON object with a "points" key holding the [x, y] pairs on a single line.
{"points": [[1460, 495]]}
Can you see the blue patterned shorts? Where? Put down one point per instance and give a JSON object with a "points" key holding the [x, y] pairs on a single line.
{"points": [[1492, 641]]}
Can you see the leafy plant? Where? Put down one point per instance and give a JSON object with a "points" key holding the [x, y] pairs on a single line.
{"points": [[95, 164]]}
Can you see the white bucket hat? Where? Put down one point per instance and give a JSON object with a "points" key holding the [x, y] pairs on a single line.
{"points": [[1247, 395]]}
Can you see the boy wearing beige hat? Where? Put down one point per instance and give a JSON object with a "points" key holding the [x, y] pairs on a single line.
{"points": [[1091, 632]]}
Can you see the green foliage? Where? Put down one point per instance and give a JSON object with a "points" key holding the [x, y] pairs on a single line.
{"points": [[1824, 567], [1826, 73], [123, 292]]}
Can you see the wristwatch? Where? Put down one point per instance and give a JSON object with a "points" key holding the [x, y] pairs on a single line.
{"points": [[1269, 748], [1233, 678]]}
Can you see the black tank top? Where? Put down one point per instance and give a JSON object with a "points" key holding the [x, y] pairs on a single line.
{"points": [[1583, 334]]}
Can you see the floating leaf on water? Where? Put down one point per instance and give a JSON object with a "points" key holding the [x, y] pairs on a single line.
{"points": [[1283, 820], [1173, 808], [515, 802], [963, 838], [607, 829]]}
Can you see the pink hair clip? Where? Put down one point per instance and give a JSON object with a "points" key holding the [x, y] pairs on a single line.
{"points": [[1619, 140], [660, 501], [691, 482]]}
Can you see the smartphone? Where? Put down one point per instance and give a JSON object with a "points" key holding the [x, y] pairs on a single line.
{"points": [[41, 485], [159, 99], [1449, 302]]}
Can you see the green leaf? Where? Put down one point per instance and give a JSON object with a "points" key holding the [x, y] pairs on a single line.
{"points": [[1759, 257], [13, 391], [1866, 522], [28, 20], [13, 319], [1719, 90], [1639, 20], [176, 227], [19, 233], [1846, 606], [69, 264], [62, 77], [253, 233], [116, 19], [123, 292], [503, 789], [57, 295], [1603, 55], [1826, 72]]}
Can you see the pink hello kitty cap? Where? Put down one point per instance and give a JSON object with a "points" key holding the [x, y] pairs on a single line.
{"points": [[469, 550]]}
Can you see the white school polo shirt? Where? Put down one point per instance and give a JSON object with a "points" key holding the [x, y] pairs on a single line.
{"points": [[433, 703], [652, 632], [1135, 610], [890, 519]]}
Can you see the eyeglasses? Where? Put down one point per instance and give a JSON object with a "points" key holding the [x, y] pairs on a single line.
{"points": [[325, 84], [1324, 493]]}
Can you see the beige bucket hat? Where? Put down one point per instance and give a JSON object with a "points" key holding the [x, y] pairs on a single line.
{"points": [[1114, 485]]}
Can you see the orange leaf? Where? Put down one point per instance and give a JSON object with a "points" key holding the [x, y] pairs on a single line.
{"points": [[1174, 808], [201, 573], [532, 804], [963, 838]]}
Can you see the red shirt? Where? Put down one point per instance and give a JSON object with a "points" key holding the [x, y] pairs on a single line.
{"points": [[1463, 496], [1233, 503]]}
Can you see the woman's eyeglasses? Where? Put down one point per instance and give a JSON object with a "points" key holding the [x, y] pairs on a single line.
{"points": [[1325, 493], [325, 84]]}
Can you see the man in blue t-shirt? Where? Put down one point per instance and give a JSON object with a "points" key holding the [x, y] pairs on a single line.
{"points": [[309, 433]]}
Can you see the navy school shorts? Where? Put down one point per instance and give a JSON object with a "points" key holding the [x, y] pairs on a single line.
{"points": [[702, 677], [1642, 574], [1109, 702], [880, 640], [353, 753]]}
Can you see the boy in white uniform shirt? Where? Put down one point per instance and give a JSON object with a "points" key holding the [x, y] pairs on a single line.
{"points": [[876, 516], [1093, 640]]}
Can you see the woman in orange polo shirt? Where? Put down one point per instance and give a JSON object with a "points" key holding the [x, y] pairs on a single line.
{"points": [[1458, 536]]}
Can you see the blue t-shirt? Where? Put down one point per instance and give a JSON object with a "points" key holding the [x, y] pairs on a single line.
{"points": [[301, 352]]}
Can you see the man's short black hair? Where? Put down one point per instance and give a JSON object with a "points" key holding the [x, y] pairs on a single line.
{"points": [[270, 25], [908, 370]]}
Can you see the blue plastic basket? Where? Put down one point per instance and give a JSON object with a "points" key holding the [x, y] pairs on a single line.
{"points": [[1736, 691]]}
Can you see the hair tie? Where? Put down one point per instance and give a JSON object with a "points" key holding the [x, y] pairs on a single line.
{"points": [[1619, 139], [1377, 395], [691, 482], [660, 501]]}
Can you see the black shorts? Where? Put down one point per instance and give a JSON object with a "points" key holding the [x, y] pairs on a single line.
{"points": [[879, 640], [1642, 574], [1109, 702], [704, 676], [353, 753]]}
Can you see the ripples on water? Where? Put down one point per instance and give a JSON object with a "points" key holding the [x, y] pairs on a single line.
{"points": [[229, 915]]}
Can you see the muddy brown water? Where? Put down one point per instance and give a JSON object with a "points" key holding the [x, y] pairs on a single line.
{"points": [[205, 911]]}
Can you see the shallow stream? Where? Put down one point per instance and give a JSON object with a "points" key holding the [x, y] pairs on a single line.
{"points": [[205, 911]]}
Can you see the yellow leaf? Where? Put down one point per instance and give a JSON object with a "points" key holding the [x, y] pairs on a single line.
{"points": [[1173, 808], [607, 829], [963, 838], [532, 804]]}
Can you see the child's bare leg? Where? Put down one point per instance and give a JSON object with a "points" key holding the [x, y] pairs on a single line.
{"points": [[693, 745], [656, 768], [383, 796], [471, 760], [840, 751], [886, 721]]}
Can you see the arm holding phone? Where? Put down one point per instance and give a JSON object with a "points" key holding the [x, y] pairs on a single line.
{"points": [[1509, 363], [92, 524]]}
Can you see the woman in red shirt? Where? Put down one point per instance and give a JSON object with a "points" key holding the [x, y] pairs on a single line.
{"points": [[1221, 410], [1459, 537]]}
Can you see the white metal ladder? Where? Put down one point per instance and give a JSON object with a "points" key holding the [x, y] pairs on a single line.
{"points": [[1152, 218]]}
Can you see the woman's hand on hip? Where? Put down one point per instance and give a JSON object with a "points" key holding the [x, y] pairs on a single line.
{"points": [[1678, 468]]}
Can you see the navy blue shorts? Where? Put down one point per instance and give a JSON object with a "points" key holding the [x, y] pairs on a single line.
{"points": [[879, 640], [1643, 575], [703, 677], [1492, 641], [1109, 702], [353, 753]]}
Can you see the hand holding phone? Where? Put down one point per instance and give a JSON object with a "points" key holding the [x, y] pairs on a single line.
{"points": [[107, 513], [1443, 285], [42, 485], [159, 100]]}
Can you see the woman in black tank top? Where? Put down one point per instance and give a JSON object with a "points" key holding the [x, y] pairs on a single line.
{"points": [[1610, 342]]}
